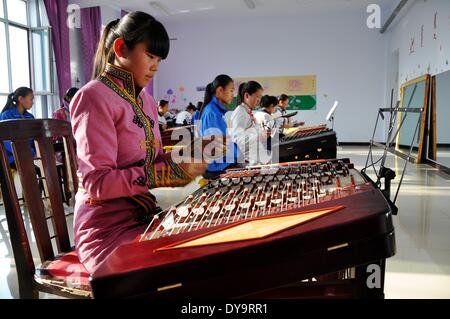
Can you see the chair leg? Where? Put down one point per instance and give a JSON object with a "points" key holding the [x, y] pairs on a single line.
{"points": [[27, 289], [28, 294]]}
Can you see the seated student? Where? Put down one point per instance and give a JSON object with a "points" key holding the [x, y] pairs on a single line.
{"points": [[264, 117], [170, 119], [184, 118], [119, 148], [218, 93], [17, 106], [63, 113], [163, 108], [245, 133], [281, 110]]}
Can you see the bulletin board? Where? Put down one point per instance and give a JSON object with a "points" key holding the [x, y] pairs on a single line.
{"points": [[300, 89]]}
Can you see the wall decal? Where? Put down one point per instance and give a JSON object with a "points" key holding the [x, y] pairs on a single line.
{"points": [[411, 47]]}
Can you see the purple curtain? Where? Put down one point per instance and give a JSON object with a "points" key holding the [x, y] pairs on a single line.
{"points": [[91, 28], [57, 15]]}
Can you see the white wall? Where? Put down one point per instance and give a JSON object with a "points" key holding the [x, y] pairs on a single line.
{"points": [[348, 58], [431, 55], [109, 14], [76, 58]]}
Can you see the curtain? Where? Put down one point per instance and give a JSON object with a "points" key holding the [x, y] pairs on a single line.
{"points": [[91, 27], [57, 16]]}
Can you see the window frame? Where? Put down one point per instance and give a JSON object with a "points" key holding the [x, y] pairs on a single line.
{"points": [[30, 5]]}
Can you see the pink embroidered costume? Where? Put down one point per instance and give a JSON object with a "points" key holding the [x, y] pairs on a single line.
{"points": [[62, 113], [119, 156]]}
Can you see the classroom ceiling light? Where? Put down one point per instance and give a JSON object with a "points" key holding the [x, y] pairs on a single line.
{"points": [[250, 4], [160, 8]]}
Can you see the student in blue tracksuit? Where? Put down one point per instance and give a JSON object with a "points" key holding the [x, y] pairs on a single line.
{"points": [[218, 93], [17, 106]]}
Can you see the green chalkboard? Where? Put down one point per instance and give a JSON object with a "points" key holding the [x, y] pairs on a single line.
{"points": [[302, 102]]}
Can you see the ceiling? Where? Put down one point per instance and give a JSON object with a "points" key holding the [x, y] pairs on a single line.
{"points": [[182, 10]]}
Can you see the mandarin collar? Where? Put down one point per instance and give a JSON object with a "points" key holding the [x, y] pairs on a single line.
{"points": [[122, 77]]}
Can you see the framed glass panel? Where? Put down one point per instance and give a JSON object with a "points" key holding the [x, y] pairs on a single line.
{"points": [[41, 60], [20, 64], [414, 94], [2, 12], [4, 77], [42, 14], [41, 108], [3, 99], [17, 11], [439, 137]]}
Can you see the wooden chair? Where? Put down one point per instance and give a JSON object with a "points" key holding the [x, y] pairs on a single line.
{"points": [[60, 271]]}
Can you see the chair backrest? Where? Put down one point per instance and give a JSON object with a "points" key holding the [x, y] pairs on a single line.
{"points": [[43, 132]]}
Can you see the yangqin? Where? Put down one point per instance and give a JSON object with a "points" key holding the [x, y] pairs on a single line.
{"points": [[308, 143], [279, 230]]}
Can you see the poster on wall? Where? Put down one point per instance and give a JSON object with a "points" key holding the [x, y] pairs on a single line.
{"points": [[300, 89]]}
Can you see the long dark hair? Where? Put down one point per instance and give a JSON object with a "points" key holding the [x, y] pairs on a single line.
{"points": [[250, 87], [13, 98], [136, 27], [220, 81]]}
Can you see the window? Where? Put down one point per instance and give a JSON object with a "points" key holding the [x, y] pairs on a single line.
{"points": [[41, 59], [26, 53], [3, 100], [20, 64], [17, 11], [4, 82]]}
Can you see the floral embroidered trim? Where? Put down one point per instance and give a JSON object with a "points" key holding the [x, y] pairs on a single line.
{"points": [[125, 76], [138, 122], [142, 118]]}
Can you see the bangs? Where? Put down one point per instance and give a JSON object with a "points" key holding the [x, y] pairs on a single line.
{"points": [[157, 39]]}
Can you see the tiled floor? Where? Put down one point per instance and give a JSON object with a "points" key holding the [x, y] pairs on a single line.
{"points": [[421, 267]]}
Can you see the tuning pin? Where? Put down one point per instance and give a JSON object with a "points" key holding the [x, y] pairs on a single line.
{"points": [[352, 180], [338, 183]]}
